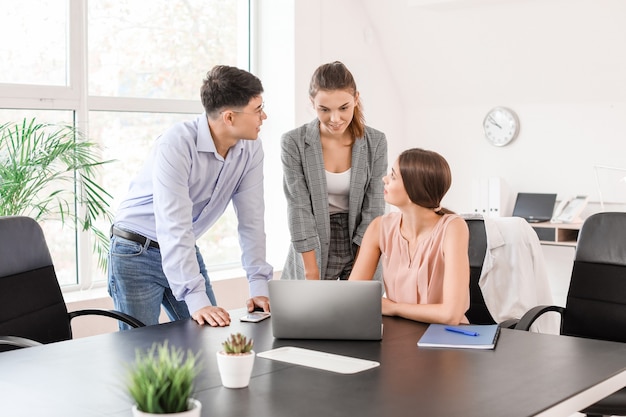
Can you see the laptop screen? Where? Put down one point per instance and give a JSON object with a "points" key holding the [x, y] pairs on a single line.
{"points": [[348, 310], [534, 207]]}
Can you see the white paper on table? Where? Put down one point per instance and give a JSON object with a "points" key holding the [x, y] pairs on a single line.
{"points": [[320, 360]]}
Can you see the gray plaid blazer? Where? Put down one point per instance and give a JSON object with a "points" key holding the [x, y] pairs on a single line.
{"points": [[304, 183]]}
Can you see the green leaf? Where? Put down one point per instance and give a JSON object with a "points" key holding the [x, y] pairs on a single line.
{"points": [[162, 379], [237, 344], [40, 165]]}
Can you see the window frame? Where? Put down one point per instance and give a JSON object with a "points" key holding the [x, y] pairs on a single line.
{"points": [[74, 97]]}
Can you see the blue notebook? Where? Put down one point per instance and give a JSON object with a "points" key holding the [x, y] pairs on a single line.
{"points": [[466, 336]]}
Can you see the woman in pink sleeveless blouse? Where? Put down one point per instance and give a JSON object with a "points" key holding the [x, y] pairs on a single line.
{"points": [[423, 246]]}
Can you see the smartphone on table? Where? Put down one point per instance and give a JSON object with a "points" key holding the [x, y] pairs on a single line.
{"points": [[255, 316]]}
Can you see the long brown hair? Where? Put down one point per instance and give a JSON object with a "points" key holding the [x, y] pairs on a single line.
{"points": [[426, 176], [336, 76]]}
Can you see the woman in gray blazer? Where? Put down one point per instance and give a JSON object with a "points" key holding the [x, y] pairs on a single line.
{"points": [[333, 169]]}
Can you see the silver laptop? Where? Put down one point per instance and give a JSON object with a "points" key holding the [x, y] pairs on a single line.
{"points": [[347, 310]]}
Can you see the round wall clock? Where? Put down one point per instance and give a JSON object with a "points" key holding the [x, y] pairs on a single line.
{"points": [[501, 126]]}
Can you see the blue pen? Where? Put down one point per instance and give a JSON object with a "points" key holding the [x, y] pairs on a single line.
{"points": [[465, 332]]}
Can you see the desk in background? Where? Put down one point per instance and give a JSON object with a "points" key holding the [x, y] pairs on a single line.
{"points": [[527, 374], [557, 234]]}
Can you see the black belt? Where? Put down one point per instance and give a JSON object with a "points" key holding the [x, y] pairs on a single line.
{"points": [[133, 236]]}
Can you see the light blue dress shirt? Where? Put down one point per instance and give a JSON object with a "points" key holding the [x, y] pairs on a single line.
{"points": [[182, 190]]}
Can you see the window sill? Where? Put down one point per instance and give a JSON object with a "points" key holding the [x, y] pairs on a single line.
{"points": [[77, 295]]}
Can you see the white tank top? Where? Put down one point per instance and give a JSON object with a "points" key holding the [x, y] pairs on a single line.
{"points": [[338, 185]]}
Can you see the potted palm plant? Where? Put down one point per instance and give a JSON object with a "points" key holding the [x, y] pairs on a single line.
{"points": [[40, 164], [235, 361], [161, 381]]}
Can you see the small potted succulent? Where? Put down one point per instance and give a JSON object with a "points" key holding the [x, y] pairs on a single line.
{"points": [[161, 381], [235, 361]]}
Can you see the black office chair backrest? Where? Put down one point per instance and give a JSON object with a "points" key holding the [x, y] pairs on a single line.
{"points": [[31, 302], [596, 300], [478, 312]]}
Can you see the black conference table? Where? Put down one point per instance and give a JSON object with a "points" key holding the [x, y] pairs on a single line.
{"points": [[527, 374]]}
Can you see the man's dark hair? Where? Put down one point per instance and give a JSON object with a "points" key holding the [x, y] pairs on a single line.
{"points": [[226, 86]]}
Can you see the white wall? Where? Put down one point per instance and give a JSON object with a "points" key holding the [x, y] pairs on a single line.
{"points": [[275, 65], [429, 70], [560, 64], [322, 31], [295, 37]]}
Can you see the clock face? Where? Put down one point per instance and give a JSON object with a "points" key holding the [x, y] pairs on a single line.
{"points": [[501, 126]]}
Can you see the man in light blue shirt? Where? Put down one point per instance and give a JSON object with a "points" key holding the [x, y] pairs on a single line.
{"points": [[193, 171]]}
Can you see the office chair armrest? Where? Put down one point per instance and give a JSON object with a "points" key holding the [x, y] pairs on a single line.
{"points": [[533, 314], [20, 342], [118, 315], [509, 323]]}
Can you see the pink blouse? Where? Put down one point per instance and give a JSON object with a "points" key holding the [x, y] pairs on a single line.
{"points": [[415, 278]]}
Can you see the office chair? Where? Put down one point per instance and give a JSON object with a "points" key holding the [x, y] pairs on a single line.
{"points": [[32, 308], [513, 241], [478, 312], [596, 300]]}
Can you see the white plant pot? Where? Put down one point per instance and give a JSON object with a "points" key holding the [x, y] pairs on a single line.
{"points": [[235, 370], [195, 408]]}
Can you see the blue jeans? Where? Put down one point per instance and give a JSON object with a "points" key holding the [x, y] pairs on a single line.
{"points": [[138, 285]]}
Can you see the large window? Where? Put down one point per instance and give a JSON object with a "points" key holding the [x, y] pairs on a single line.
{"points": [[122, 71]]}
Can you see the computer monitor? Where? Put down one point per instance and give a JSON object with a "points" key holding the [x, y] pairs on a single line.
{"points": [[534, 207]]}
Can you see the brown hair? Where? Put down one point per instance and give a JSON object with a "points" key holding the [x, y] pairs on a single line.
{"points": [[336, 76], [426, 176]]}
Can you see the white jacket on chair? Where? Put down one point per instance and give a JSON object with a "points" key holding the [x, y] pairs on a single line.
{"points": [[514, 277]]}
